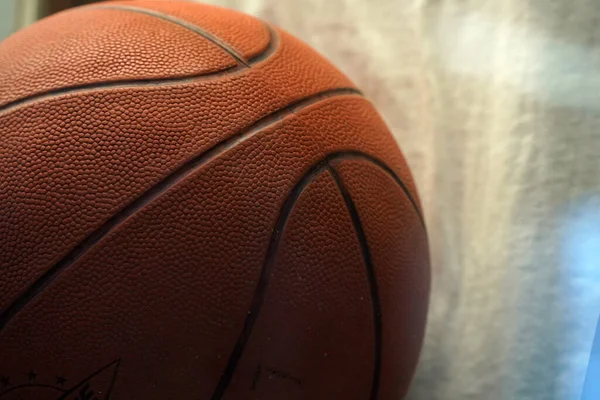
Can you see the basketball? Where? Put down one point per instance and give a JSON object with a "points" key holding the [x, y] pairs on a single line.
{"points": [[196, 205]]}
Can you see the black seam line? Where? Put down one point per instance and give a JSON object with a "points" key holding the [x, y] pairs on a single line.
{"points": [[263, 280], [265, 273], [371, 278], [12, 389], [180, 173], [138, 83], [184, 24], [269, 48], [390, 172]]}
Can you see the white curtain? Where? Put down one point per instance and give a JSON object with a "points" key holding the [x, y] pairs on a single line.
{"points": [[496, 105]]}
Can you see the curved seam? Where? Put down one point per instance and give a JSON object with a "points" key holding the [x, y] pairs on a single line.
{"points": [[350, 154], [371, 278], [267, 52], [178, 174], [182, 23], [263, 279], [189, 168], [265, 273], [264, 54]]}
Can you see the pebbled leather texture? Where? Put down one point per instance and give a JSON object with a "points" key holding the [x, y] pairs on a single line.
{"points": [[200, 208]]}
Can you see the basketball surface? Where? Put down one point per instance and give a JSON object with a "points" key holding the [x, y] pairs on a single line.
{"points": [[196, 205]]}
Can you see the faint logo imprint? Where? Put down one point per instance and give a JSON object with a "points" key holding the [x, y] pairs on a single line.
{"points": [[96, 386]]}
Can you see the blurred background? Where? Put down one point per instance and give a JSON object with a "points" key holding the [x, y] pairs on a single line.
{"points": [[496, 105]]}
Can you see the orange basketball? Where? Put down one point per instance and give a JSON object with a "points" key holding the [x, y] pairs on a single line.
{"points": [[196, 205]]}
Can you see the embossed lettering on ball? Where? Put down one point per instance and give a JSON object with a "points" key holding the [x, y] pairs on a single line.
{"points": [[196, 205]]}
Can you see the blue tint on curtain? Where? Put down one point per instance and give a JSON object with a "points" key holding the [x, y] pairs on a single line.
{"points": [[580, 281], [591, 387]]}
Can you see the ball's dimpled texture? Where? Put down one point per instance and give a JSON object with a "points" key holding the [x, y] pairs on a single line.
{"points": [[94, 45], [197, 205]]}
